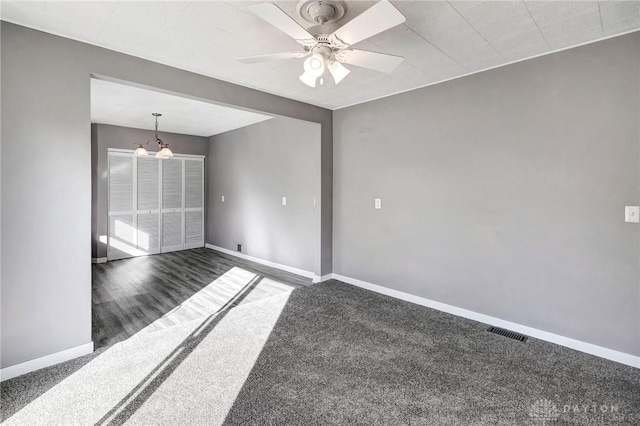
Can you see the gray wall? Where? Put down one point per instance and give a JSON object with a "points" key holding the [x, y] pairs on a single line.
{"points": [[46, 178], [105, 136], [503, 193], [254, 167]]}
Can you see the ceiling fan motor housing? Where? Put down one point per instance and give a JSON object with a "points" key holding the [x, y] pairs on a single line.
{"points": [[323, 49]]}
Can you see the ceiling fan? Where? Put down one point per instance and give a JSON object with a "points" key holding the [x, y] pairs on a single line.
{"points": [[327, 44]]}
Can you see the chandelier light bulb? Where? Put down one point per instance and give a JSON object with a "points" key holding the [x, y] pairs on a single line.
{"points": [[164, 153], [140, 152]]}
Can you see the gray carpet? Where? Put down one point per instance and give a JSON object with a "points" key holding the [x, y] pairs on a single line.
{"points": [[334, 354], [343, 355]]}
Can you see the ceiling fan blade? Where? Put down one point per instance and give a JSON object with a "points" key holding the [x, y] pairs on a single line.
{"points": [[372, 60], [272, 57], [276, 17], [378, 18]]}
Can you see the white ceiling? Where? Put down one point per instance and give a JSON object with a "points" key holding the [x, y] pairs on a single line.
{"points": [[128, 106], [440, 39]]}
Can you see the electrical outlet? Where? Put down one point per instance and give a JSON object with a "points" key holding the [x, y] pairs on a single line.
{"points": [[378, 203], [239, 247], [632, 214], [222, 198], [284, 201]]}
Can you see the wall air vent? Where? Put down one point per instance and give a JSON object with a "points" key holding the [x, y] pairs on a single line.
{"points": [[508, 333]]}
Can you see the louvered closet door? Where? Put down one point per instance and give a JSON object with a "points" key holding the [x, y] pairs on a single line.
{"points": [[172, 204], [121, 241], [194, 203], [148, 205]]}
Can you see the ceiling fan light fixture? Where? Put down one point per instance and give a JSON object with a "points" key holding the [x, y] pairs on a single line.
{"points": [[338, 71], [314, 65], [328, 41], [308, 79]]}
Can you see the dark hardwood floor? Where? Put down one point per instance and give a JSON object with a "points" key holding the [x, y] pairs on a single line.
{"points": [[132, 294]]}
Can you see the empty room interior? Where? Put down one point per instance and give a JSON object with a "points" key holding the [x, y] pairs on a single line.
{"points": [[320, 212]]}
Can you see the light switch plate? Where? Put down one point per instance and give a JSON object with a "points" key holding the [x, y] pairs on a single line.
{"points": [[284, 201], [222, 198], [632, 214], [378, 203]]}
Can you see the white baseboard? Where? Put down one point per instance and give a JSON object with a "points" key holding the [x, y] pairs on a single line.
{"points": [[188, 246], [98, 260], [323, 278], [291, 269], [599, 351], [45, 361]]}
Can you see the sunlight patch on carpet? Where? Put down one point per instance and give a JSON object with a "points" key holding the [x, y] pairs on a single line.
{"points": [[87, 395], [204, 387]]}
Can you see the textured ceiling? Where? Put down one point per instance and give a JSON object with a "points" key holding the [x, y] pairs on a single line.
{"points": [[128, 106], [440, 39]]}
